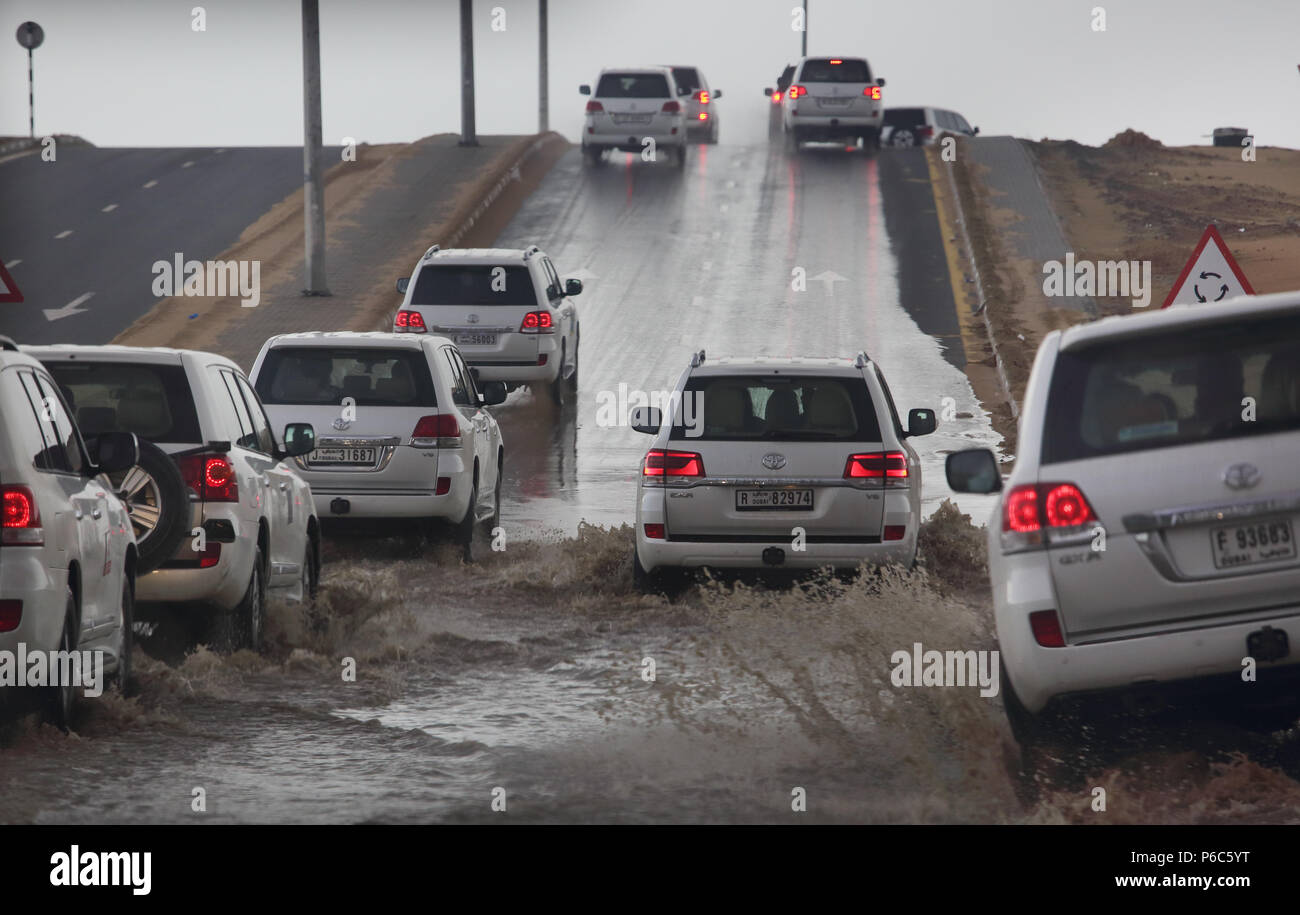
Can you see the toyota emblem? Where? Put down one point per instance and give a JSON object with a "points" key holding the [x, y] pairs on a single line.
{"points": [[773, 461], [341, 424], [473, 319], [1241, 476]]}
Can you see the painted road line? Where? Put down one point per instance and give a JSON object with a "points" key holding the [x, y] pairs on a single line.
{"points": [[110, 208], [151, 183], [13, 263], [67, 311], [187, 164], [64, 234]]}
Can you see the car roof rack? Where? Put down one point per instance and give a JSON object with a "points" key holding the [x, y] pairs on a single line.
{"points": [[697, 359], [7, 343], [428, 254], [861, 360]]}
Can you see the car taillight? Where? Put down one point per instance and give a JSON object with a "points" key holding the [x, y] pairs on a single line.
{"points": [[836, 63], [1034, 515], [654, 531], [537, 322], [661, 463], [671, 107], [11, 614], [593, 107], [776, 97], [210, 556], [889, 467], [872, 92], [411, 322], [795, 92], [925, 131], [441, 431], [1046, 626], [443, 487], [22, 517], [210, 476], [704, 116], [702, 96], [895, 531]]}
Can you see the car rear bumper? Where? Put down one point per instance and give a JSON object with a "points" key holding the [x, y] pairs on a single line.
{"points": [[221, 586], [820, 128], [749, 554], [633, 141], [24, 577], [516, 371]]}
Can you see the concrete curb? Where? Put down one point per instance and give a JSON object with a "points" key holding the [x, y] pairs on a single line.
{"points": [[482, 203]]}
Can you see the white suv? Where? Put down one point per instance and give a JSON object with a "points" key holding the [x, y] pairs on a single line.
{"points": [[635, 110], [408, 436], [751, 450], [1144, 545], [67, 553], [251, 516], [833, 98]]}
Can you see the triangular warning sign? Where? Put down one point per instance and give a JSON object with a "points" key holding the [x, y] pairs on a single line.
{"points": [[1211, 274], [8, 288]]}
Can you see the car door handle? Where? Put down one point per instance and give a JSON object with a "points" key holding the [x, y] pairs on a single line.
{"points": [[283, 487], [96, 514], [266, 482], [80, 514]]}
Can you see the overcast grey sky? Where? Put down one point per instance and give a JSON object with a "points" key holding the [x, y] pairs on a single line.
{"points": [[135, 73]]}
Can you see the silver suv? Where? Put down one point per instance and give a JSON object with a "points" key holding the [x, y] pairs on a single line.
{"points": [[833, 98]]}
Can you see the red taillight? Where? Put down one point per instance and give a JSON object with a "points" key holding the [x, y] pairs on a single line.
{"points": [[795, 92], [776, 97], [1066, 506], [836, 63], [661, 463], [1026, 508], [444, 486], [877, 465], [11, 614], [593, 107], [210, 556], [537, 322], [1046, 626], [895, 531], [671, 107], [411, 322], [22, 517], [1020, 510], [702, 96], [872, 92], [654, 531], [211, 477], [704, 116], [441, 431]]}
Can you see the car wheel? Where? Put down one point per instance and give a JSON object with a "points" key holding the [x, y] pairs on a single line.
{"points": [[573, 376], [592, 156], [713, 136], [902, 137], [558, 388], [465, 531], [249, 618], [494, 520], [310, 573], [791, 141], [122, 679], [59, 700], [642, 580], [155, 495], [680, 159]]}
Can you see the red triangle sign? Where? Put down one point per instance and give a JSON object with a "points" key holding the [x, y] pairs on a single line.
{"points": [[8, 288], [1211, 274]]}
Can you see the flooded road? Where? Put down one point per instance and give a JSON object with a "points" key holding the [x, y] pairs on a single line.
{"points": [[537, 681]]}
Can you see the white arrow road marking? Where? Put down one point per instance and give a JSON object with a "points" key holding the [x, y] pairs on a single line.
{"points": [[67, 311], [64, 234], [151, 183], [110, 208], [829, 278], [13, 263]]}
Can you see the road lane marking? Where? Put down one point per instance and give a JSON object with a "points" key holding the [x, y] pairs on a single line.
{"points": [[151, 183], [67, 311], [64, 234], [188, 164], [110, 208], [13, 263]]}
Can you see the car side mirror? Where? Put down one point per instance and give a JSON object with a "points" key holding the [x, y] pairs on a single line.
{"points": [[920, 422], [880, 82], [717, 93], [768, 91], [974, 470], [113, 452], [584, 89], [403, 283], [646, 419], [493, 393], [974, 131], [573, 287], [299, 438]]}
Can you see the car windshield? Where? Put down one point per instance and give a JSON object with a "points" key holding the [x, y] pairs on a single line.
{"points": [[153, 401], [633, 85], [834, 70], [776, 408], [904, 117], [474, 285], [370, 376], [1221, 382], [687, 78]]}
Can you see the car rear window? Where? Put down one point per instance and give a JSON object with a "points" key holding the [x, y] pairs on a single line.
{"points": [[687, 78], [904, 117], [1222, 382], [846, 71], [476, 285], [632, 85], [788, 408], [153, 401], [320, 375]]}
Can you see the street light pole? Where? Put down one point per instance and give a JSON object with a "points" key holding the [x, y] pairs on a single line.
{"points": [[467, 135], [804, 52], [313, 188], [543, 100]]}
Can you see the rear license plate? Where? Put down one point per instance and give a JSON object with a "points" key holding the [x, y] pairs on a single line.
{"points": [[1247, 544], [833, 102], [633, 118], [476, 339], [342, 456], [797, 500]]}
